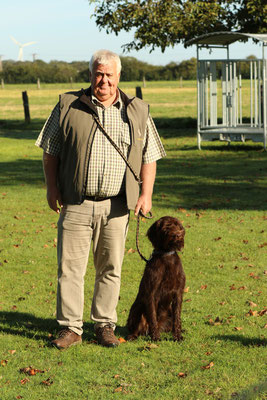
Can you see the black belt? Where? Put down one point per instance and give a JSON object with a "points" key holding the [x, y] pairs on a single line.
{"points": [[96, 198], [99, 198]]}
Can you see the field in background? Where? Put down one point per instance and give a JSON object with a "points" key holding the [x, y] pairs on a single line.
{"points": [[218, 193]]}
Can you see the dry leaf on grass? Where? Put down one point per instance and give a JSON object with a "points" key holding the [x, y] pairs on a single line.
{"points": [[182, 375], [209, 366], [47, 382], [24, 381], [31, 371]]}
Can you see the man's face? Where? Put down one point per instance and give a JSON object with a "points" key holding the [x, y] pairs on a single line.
{"points": [[104, 80]]}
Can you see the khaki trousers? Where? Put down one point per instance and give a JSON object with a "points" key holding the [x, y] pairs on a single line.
{"points": [[105, 223]]}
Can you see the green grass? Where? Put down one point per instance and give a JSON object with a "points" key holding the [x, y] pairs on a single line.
{"points": [[220, 195]]}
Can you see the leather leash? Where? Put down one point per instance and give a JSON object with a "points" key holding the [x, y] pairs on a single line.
{"points": [[136, 176], [137, 232]]}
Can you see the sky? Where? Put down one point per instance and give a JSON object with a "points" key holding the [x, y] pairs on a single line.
{"points": [[66, 30]]}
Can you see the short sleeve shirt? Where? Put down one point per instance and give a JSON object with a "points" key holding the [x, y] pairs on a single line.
{"points": [[106, 169]]}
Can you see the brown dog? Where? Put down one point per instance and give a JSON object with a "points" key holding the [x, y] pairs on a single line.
{"points": [[157, 307]]}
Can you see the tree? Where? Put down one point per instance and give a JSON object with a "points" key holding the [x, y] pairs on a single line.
{"points": [[163, 23]]}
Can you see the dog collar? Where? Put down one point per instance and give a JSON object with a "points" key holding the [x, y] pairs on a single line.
{"points": [[163, 253]]}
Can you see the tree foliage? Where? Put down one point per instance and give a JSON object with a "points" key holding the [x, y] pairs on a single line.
{"points": [[78, 71], [163, 23]]}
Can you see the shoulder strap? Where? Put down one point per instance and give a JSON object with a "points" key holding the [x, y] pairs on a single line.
{"points": [[136, 176]]}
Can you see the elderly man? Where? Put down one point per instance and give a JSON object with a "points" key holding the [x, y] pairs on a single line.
{"points": [[90, 186]]}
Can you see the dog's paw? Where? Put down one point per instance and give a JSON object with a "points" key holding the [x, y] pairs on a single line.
{"points": [[178, 338], [130, 338], [155, 338]]}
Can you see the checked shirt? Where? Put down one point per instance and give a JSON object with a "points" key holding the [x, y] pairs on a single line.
{"points": [[106, 169]]}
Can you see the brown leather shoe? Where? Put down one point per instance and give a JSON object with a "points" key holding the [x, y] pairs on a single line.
{"points": [[66, 338], [105, 336]]}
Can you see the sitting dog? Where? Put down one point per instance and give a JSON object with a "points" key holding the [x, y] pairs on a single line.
{"points": [[157, 307]]}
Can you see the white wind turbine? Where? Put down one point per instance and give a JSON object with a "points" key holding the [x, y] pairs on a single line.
{"points": [[20, 56]]}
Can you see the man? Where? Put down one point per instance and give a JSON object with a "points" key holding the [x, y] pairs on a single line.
{"points": [[91, 188]]}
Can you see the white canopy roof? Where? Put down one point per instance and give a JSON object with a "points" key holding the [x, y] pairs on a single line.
{"points": [[225, 38]]}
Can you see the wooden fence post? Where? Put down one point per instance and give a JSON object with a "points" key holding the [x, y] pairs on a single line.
{"points": [[26, 107], [144, 81], [138, 92], [38, 84], [2, 84]]}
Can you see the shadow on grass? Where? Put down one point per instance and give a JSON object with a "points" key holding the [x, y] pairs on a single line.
{"points": [[32, 327], [245, 341], [252, 392], [222, 179], [18, 129], [22, 171]]}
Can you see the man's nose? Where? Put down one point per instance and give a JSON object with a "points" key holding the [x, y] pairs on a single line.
{"points": [[104, 78]]}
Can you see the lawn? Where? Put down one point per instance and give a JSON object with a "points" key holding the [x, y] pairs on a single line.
{"points": [[218, 193]]}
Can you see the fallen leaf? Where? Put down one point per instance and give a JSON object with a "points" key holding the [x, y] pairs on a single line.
{"points": [[19, 397], [4, 363], [245, 241], [47, 382], [252, 275], [233, 287], [263, 312], [251, 313], [238, 328], [265, 326], [149, 346], [25, 380], [131, 251], [203, 287], [31, 371], [116, 376], [218, 238], [252, 304], [182, 375], [242, 288], [210, 365], [118, 389], [262, 245], [12, 351], [186, 290]]}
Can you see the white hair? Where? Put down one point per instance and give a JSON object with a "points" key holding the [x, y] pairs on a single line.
{"points": [[104, 57]]}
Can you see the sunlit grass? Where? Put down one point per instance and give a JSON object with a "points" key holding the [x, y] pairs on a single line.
{"points": [[218, 193]]}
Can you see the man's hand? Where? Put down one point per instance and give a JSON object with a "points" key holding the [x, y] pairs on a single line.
{"points": [[54, 199], [50, 164], [144, 203]]}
